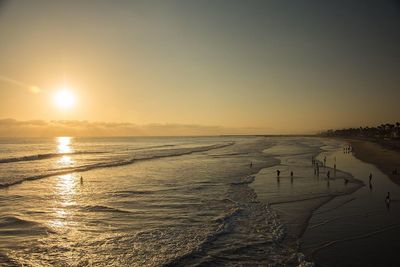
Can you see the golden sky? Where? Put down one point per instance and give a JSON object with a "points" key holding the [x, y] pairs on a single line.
{"points": [[235, 66]]}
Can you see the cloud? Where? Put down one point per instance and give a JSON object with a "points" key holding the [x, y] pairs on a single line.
{"points": [[31, 88], [40, 128]]}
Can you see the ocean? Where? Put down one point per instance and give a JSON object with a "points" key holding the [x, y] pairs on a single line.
{"points": [[163, 201]]}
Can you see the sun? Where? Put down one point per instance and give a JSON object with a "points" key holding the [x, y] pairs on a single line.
{"points": [[64, 98]]}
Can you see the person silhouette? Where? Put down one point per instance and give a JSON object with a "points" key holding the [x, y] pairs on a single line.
{"points": [[278, 172], [388, 198], [325, 161], [81, 179], [387, 201], [251, 164], [370, 177], [328, 174]]}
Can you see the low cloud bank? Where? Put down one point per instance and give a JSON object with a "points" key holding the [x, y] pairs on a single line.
{"points": [[40, 128]]}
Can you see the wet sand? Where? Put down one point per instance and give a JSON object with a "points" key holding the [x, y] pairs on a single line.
{"points": [[295, 200], [358, 229], [383, 158]]}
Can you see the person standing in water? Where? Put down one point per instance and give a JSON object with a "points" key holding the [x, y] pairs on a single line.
{"points": [[388, 198], [278, 172]]}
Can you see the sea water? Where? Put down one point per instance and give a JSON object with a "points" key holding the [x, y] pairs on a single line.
{"points": [[157, 201]]}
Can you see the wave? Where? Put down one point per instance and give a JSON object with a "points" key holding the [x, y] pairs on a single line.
{"points": [[224, 227], [150, 147], [247, 226], [46, 156], [116, 163], [101, 208], [129, 193], [246, 180], [13, 225]]}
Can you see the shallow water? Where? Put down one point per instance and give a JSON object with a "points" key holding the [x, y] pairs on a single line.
{"points": [[179, 201], [357, 229], [160, 201], [295, 198]]}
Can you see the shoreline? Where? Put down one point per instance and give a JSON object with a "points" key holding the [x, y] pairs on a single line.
{"points": [[384, 158], [295, 233]]}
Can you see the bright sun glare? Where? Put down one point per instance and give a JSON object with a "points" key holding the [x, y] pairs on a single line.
{"points": [[64, 98]]}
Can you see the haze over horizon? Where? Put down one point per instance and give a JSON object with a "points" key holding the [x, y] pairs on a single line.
{"points": [[197, 67]]}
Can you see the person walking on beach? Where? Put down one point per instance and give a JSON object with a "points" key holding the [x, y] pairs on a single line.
{"points": [[370, 178], [328, 174], [278, 172]]}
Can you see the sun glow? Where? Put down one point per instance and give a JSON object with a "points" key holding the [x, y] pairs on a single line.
{"points": [[64, 98], [64, 144]]}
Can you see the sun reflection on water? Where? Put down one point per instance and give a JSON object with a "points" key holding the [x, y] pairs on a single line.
{"points": [[65, 161], [64, 144], [66, 189]]}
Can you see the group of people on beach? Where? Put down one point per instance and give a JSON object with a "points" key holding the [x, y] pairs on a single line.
{"points": [[316, 165], [347, 149], [278, 175]]}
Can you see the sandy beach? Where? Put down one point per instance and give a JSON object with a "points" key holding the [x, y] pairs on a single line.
{"points": [[384, 158]]}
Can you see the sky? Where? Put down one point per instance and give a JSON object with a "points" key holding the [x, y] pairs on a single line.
{"points": [[199, 67]]}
